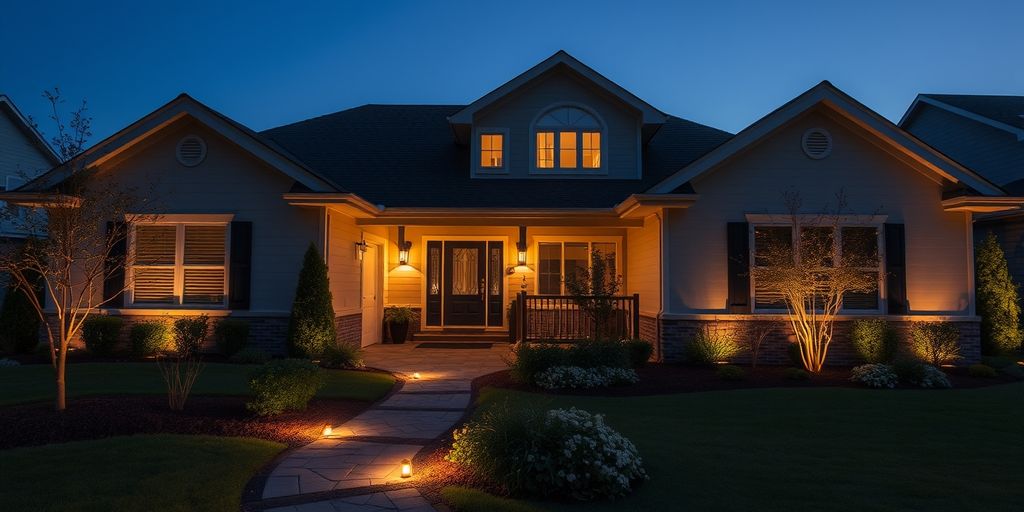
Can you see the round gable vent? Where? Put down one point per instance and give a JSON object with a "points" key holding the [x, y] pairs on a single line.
{"points": [[817, 143], [191, 151]]}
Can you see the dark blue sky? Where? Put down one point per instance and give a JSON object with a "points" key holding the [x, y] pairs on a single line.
{"points": [[721, 63]]}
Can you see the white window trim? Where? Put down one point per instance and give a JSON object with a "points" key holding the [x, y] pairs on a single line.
{"points": [[845, 221], [179, 221], [477, 164], [579, 170], [537, 240]]}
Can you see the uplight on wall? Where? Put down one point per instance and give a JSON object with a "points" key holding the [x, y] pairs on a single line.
{"points": [[404, 246]]}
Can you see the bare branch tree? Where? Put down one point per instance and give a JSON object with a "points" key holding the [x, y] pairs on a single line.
{"points": [[593, 288], [811, 273], [754, 333]]}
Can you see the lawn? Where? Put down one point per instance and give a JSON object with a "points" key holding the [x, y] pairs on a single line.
{"points": [[163, 472], [29, 383], [816, 449]]}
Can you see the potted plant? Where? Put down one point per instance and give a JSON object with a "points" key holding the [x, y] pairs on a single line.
{"points": [[397, 318]]}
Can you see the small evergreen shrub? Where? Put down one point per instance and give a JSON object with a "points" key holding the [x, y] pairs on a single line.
{"points": [[526, 360], [232, 335], [916, 373], [731, 372], [875, 375], [600, 353], [935, 343], [574, 377], [100, 334], [797, 374], [249, 355], [311, 327], [998, 299], [933, 378], [981, 371], [284, 385], [873, 340], [19, 323], [711, 345], [640, 352], [189, 333], [562, 452], [342, 356], [149, 338]]}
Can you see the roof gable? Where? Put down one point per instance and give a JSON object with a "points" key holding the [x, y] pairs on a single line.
{"points": [[853, 111], [1002, 112], [649, 114], [28, 128], [178, 108]]}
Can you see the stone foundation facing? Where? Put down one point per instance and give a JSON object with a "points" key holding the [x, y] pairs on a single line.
{"points": [[675, 334]]}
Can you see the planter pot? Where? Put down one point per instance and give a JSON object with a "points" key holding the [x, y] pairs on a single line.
{"points": [[398, 332]]}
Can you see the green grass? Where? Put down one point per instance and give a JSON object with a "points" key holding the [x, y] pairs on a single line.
{"points": [[464, 499], [816, 449], [31, 383], [166, 473]]}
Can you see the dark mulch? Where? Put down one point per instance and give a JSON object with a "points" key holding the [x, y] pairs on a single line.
{"points": [[663, 379], [106, 416]]}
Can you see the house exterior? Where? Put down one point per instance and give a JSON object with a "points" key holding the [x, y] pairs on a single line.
{"points": [[985, 133], [460, 212]]}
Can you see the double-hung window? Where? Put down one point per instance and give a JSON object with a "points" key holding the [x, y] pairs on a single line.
{"points": [[567, 138], [492, 150], [558, 260], [176, 263], [858, 245]]}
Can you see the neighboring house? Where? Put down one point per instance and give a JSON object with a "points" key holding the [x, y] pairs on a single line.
{"points": [[985, 133], [454, 210]]}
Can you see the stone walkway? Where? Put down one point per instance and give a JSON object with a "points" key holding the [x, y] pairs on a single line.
{"points": [[367, 450]]}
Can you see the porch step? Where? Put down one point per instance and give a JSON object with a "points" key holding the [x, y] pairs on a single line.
{"points": [[462, 336]]}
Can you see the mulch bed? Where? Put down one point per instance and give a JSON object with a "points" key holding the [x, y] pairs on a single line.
{"points": [[105, 416], [663, 379]]}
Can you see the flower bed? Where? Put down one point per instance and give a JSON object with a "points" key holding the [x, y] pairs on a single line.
{"points": [[574, 377]]}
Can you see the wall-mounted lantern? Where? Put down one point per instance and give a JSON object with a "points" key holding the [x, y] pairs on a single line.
{"points": [[520, 266], [361, 247], [403, 247]]}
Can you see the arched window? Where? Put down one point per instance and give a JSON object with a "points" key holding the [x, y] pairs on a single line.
{"points": [[567, 138]]}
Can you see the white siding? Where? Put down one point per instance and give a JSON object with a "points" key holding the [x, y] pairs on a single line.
{"points": [[344, 267]]}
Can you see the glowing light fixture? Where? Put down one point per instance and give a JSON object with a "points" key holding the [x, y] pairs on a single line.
{"points": [[406, 468], [520, 266], [361, 247], [416, 375], [328, 430], [403, 247]]}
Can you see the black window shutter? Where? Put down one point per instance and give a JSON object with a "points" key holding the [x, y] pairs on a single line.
{"points": [[240, 278], [738, 241], [113, 282], [896, 269]]}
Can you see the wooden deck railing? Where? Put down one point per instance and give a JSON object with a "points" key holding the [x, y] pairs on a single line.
{"points": [[560, 318]]}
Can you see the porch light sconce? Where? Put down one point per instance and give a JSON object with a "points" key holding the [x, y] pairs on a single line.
{"points": [[520, 266], [403, 247], [406, 468], [361, 247]]}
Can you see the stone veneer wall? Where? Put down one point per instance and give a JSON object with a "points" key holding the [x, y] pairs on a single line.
{"points": [[675, 334], [349, 329]]}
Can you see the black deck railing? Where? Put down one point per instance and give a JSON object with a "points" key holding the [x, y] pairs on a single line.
{"points": [[560, 318]]}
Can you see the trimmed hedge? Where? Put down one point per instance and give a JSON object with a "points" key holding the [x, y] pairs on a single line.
{"points": [[100, 334], [873, 340], [149, 338], [189, 333], [284, 385], [530, 359]]}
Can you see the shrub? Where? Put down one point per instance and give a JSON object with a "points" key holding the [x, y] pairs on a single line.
{"points": [[311, 327], [189, 333], [563, 452], [600, 353], [640, 352], [100, 334], [981, 371], [250, 355], [731, 372], [526, 360], [797, 374], [933, 378], [19, 322], [562, 377], [875, 375], [283, 385], [998, 299], [398, 315], [711, 345], [232, 335], [935, 343], [149, 338], [908, 370], [873, 340], [342, 356], [916, 373]]}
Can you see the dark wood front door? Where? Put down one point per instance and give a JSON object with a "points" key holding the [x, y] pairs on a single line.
{"points": [[465, 283]]}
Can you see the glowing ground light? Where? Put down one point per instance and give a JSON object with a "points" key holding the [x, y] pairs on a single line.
{"points": [[416, 375], [328, 430], [406, 468]]}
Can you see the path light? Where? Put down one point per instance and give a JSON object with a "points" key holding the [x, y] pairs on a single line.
{"points": [[416, 375], [328, 430], [406, 468]]}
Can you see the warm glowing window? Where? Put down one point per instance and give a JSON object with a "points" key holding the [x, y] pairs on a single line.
{"points": [[557, 260], [568, 138], [545, 150], [177, 263], [491, 150]]}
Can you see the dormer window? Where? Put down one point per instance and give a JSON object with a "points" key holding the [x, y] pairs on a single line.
{"points": [[492, 150], [567, 138]]}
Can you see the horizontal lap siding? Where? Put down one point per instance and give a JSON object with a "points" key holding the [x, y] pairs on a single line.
{"points": [[643, 248], [344, 267]]}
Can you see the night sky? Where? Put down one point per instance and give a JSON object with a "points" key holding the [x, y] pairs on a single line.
{"points": [[725, 63]]}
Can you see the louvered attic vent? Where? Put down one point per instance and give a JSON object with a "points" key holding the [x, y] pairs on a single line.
{"points": [[817, 143], [191, 151]]}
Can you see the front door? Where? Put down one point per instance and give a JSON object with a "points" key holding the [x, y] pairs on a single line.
{"points": [[371, 297], [465, 283]]}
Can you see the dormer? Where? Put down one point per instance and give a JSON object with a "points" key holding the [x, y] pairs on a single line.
{"points": [[559, 119]]}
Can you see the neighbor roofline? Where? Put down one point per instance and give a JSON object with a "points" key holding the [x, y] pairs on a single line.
{"points": [[928, 100], [31, 130]]}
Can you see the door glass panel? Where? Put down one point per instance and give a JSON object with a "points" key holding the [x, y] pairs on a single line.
{"points": [[435, 270], [495, 267], [464, 271]]}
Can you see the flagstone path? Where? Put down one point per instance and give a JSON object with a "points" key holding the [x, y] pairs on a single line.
{"points": [[367, 450]]}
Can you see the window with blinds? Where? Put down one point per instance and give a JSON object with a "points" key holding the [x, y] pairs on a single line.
{"points": [[179, 264]]}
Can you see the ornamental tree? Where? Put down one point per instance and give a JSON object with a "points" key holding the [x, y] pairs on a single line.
{"points": [[998, 299]]}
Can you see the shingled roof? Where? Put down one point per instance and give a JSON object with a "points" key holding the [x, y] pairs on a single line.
{"points": [[406, 156], [1008, 110]]}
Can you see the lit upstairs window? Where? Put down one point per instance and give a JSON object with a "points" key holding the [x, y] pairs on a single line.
{"points": [[491, 150], [566, 139], [545, 150]]}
